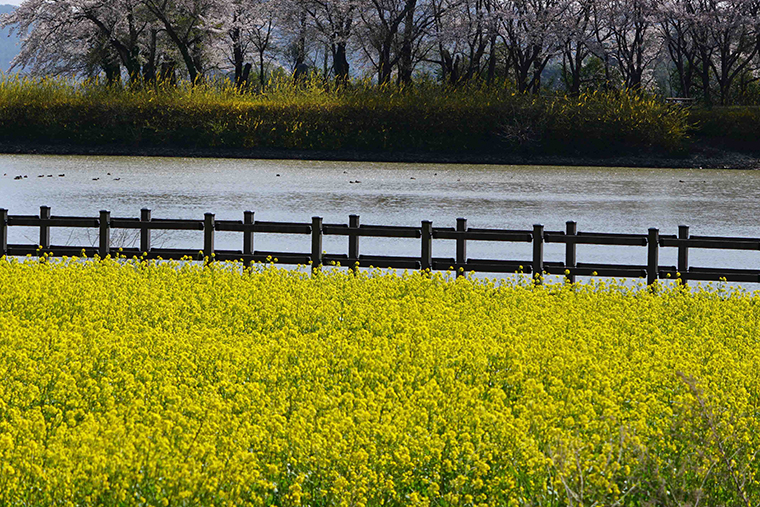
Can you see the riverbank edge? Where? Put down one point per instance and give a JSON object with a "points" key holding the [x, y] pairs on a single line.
{"points": [[698, 158]]}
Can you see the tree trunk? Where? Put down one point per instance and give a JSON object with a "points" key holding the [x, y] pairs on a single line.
{"points": [[112, 69], [184, 51], [340, 62], [245, 77], [149, 67], [127, 55], [301, 42], [262, 71], [704, 74], [406, 63], [237, 55], [491, 74], [385, 69]]}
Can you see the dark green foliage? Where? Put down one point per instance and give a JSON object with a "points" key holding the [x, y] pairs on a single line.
{"points": [[735, 128], [427, 118]]}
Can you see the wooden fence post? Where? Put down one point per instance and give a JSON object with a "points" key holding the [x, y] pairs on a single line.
{"points": [[105, 234], [353, 241], [426, 254], [461, 260], [144, 230], [44, 228], [538, 252], [653, 256], [683, 252], [571, 250], [3, 232], [209, 223], [316, 243], [248, 219]]}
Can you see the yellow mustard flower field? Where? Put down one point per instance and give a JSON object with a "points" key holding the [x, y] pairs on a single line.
{"points": [[148, 383]]}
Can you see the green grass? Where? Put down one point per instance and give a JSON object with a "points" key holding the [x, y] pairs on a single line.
{"points": [[423, 118]]}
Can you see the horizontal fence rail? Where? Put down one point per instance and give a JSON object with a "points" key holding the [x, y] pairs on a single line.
{"points": [[354, 230]]}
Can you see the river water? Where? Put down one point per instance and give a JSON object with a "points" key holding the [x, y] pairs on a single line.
{"points": [[712, 202]]}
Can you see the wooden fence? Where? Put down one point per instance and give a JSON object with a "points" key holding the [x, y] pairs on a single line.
{"points": [[653, 241]]}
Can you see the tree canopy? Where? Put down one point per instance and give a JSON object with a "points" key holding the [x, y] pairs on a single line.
{"points": [[704, 48]]}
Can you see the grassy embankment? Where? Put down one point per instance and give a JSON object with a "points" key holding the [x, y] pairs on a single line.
{"points": [[421, 119], [145, 384]]}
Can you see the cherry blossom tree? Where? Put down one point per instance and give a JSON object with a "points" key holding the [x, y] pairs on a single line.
{"points": [[76, 35], [636, 47], [467, 32], [446, 33], [531, 39], [675, 22], [391, 28], [244, 30], [732, 26], [334, 22], [709, 45], [186, 24], [576, 32]]}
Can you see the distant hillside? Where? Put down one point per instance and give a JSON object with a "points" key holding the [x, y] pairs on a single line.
{"points": [[8, 47]]}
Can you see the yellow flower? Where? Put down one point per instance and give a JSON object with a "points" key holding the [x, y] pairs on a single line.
{"points": [[143, 382]]}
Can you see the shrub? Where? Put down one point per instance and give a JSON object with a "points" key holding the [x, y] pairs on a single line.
{"points": [[728, 127], [423, 118]]}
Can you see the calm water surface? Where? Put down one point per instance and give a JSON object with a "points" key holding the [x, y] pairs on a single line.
{"points": [[720, 202]]}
